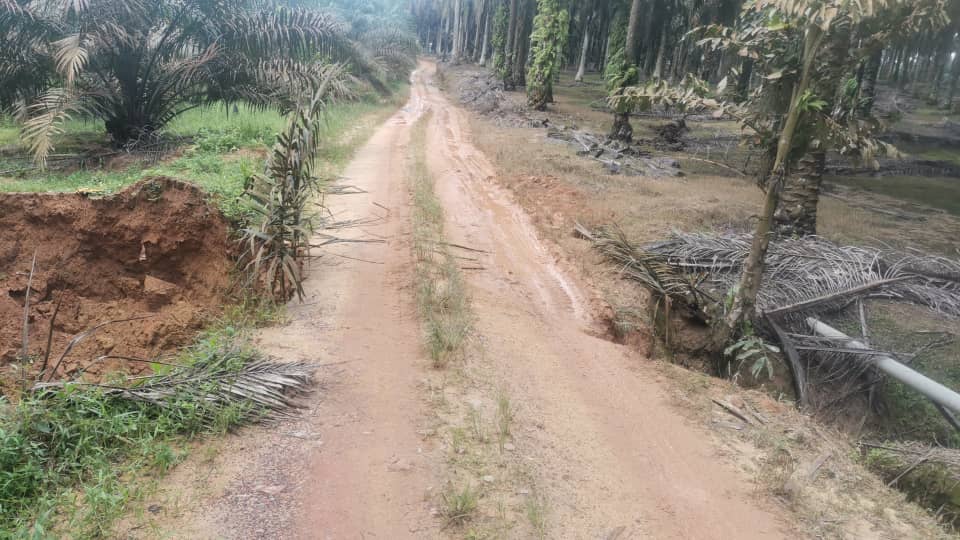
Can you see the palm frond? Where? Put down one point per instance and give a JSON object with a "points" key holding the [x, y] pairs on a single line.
{"points": [[45, 121], [71, 56], [808, 271], [235, 377], [803, 278]]}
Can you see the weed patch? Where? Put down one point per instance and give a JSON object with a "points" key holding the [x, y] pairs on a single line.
{"points": [[460, 505], [66, 453], [441, 292]]}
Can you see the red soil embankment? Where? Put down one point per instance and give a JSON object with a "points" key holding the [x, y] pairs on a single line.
{"points": [[156, 249]]}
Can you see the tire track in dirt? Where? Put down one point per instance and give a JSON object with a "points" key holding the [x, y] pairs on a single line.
{"points": [[610, 454], [373, 476]]}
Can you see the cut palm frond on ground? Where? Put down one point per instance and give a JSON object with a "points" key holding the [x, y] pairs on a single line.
{"points": [[803, 277], [236, 379]]}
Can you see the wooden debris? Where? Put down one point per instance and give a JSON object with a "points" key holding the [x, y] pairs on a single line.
{"points": [[730, 408]]}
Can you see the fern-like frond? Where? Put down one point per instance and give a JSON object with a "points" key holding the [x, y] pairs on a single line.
{"points": [[71, 56], [45, 121], [234, 378]]}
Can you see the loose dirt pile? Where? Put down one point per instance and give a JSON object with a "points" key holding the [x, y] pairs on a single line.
{"points": [[155, 250]]}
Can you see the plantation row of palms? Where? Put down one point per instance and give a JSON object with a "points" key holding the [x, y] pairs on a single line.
{"points": [[138, 64], [800, 76]]}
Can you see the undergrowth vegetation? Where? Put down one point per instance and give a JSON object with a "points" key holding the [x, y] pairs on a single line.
{"points": [[223, 146], [67, 455]]}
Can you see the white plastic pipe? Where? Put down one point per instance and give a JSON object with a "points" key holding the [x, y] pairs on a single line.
{"points": [[930, 388]]}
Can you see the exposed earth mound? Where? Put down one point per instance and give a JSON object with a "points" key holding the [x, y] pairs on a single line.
{"points": [[156, 250]]}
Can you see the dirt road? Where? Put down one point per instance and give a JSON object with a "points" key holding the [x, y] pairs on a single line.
{"points": [[611, 453], [604, 448]]}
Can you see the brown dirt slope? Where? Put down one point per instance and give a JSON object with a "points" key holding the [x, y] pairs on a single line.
{"points": [[156, 249]]}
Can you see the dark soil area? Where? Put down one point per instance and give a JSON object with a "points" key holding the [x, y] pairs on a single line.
{"points": [[157, 250]]}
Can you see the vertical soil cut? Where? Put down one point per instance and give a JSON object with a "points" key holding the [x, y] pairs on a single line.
{"points": [[157, 249]]}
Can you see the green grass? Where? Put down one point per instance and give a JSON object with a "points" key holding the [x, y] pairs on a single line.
{"points": [[225, 149], [71, 460], [536, 507], [941, 193], [460, 505], [77, 132], [950, 154], [592, 91], [441, 292]]}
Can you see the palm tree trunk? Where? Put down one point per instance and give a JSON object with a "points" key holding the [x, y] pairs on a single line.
{"points": [[584, 49], [478, 34], [457, 31], [622, 130], [797, 213], [954, 77], [440, 40], [484, 47], [743, 81], [745, 301], [661, 56], [608, 43], [868, 88], [521, 46], [632, 46]]}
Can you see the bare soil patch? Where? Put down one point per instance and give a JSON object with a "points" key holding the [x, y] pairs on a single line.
{"points": [[157, 249]]}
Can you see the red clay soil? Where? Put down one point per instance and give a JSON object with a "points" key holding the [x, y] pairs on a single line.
{"points": [[156, 249]]}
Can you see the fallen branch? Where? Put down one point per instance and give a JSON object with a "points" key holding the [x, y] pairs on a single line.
{"points": [[451, 244], [53, 319], [734, 411]]}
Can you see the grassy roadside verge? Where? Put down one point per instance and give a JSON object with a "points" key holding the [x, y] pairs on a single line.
{"points": [[71, 459], [488, 491], [71, 463]]}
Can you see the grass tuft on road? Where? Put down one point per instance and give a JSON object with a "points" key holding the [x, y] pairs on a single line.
{"points": [[441, 292]]}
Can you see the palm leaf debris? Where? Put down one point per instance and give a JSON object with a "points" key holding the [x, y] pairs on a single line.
{"points": [[804, 278], [234, 376]]}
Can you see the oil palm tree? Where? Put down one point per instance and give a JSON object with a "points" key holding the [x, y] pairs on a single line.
{"points": [[137, 64], [801, 51]]}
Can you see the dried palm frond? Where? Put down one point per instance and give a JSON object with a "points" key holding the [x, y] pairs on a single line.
{"points": [[650, 269], [232, 377], [803, 277], [811, 275]]}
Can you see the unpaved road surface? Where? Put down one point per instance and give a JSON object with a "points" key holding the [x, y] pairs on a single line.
{"points": [[606, 450]]}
